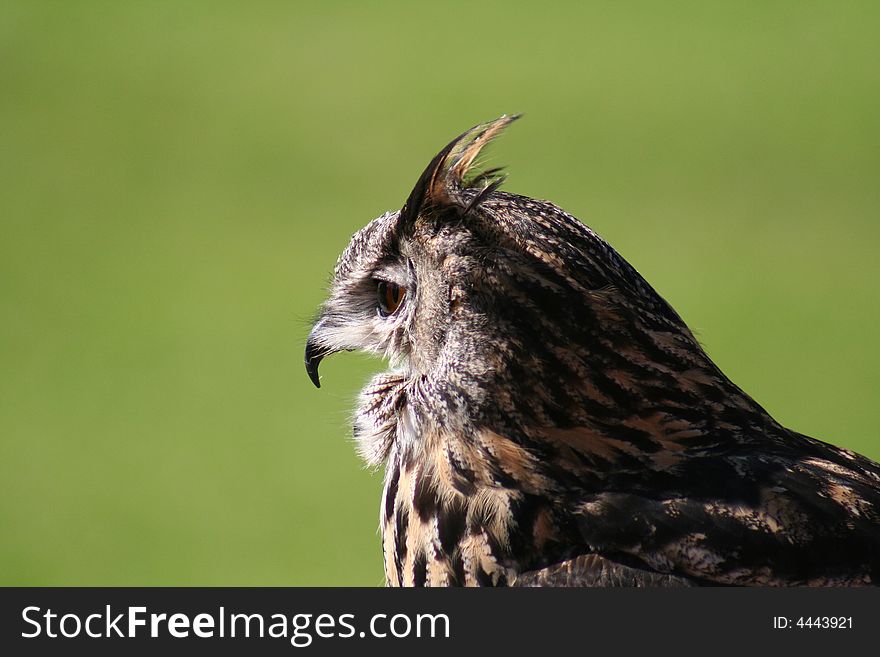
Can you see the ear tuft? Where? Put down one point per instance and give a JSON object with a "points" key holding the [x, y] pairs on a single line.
{"points": [[452, 171]]}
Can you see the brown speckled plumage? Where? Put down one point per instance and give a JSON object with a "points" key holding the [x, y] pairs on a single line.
{"points": [[550, 420]]}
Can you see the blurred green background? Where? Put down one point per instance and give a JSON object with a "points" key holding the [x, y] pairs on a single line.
{"points": [[177, 179]]}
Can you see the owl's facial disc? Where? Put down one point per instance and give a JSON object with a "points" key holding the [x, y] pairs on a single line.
{"points": [[369, 309]]}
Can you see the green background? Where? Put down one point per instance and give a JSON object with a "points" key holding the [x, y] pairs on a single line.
{"points": [[177, 179]]}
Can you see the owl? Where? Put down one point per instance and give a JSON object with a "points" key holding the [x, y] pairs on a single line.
{"points": [[548, 419]]}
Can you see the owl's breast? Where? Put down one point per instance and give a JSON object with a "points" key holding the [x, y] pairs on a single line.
{"points": [[425, 534], [446, 521], [461, 506]]}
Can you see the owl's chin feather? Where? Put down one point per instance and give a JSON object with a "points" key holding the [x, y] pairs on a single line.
{"points": [[375, 422]]}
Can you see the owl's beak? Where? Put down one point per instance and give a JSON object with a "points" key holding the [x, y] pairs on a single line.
{"points": [[314, 355]]}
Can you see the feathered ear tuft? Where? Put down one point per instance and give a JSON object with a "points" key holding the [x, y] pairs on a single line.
{"points": [[451, 172]]}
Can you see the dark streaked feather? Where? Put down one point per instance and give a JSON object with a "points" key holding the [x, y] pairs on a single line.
{"points": [[595, 570]]}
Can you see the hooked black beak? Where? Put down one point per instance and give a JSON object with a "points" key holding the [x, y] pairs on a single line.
{"points": [[314, 355]]}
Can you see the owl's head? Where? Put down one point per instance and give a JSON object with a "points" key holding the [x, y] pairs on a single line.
{"points": [[469, 281], [386, 287]]}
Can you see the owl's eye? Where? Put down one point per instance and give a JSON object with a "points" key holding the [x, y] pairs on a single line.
{"points": [[390, 296]]}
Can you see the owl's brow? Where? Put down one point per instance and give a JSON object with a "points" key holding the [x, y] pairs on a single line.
{"points": [[392, 271]]}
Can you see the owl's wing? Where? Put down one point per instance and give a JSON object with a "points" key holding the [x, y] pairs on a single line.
{"points": [[595, 570], [809, 515]]}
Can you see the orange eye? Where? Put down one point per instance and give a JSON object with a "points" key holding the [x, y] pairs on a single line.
{"points": [[390, 297]]}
